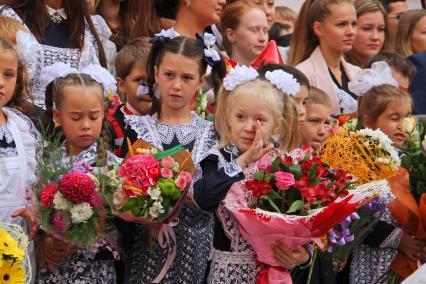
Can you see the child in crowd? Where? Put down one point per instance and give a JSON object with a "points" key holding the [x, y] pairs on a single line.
{"points": [[398, 239], [19, 141], [75, 102], [130, 66], [314, 129], [9, 27], [177, 67], [253, 112]]}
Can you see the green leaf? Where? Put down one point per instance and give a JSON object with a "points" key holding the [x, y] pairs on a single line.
{"points": [[259, 175], [272, 203], [275, 166], [296, 170], [269, 177], [312, 172], [307, 156], [296, 206], [169, 152]]}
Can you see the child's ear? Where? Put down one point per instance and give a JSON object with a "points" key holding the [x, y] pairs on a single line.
{"points": [[230, 35], [120, 85], [277, 127], [202, 80], [56, 117], [156, 74], [367, 121]]}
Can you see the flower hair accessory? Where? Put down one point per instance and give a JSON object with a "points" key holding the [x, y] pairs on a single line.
{"points": [[379, 74], [283, 81], [163, 36], [238, 76], [98, 73], [211, 55]]}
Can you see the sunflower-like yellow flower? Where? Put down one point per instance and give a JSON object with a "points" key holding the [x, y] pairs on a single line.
{"points": [[12, 273], [9, 246]]}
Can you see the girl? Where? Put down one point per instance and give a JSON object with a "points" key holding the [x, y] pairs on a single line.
{"points": [[324, 31], [371, 31], [410, 33], [177, 68], [398, 240], [61, 31], [252, 112], [245, 32], [19, 141], [75, 102]]}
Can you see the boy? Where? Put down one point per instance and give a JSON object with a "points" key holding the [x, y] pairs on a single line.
{"points": [[314, 129], [130, 66]]}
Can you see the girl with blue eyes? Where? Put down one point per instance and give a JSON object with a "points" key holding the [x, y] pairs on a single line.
{"points": [[176, 71]]}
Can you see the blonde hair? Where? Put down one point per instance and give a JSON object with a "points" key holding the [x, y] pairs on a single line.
{"points": [[375, 101], [318, 96], [285, 13], [280, 104], [9, 27], [363, 7], [231, 19], [304, 40], [407, 23]]}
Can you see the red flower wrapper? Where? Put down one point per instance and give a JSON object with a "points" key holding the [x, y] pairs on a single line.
{"points": [[270, 55]]}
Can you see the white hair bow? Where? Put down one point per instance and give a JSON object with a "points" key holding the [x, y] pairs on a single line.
{"points": [[365, 79]]}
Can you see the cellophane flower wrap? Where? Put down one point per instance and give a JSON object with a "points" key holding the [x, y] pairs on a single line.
{"points": [[69, 204], [150, 185], [292, 199], [15, 265]]}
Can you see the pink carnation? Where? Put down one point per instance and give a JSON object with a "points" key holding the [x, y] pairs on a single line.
{"points": [[283, 180], [59, 222], [77, 187], [138, 170], [181, 183], [166, 173], [187, 176], [167, 162]]}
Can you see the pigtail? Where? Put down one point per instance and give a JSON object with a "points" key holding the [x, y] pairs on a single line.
{"points": [[221, 116], [103, 142], [156, 51], [48, 122], [217, 74], [290, 137]]}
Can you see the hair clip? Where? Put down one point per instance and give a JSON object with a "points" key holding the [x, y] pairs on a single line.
{"points": [[283, 81], [238, 76], [162, 37]]}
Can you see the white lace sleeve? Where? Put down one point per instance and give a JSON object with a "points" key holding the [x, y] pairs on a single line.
{"points": [[8, 12], [346, 101], [101, 26]]}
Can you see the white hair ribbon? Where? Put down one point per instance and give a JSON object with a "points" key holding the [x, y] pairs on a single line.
{"points": [[283, 81]]}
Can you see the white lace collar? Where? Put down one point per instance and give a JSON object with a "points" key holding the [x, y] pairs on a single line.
{"points": [[60, 12], [5, 134]]}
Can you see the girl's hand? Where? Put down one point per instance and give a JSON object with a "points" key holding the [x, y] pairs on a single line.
{"points": [[290, 259], [411, 247], [31, 220], [53, 251], [256, 150]]}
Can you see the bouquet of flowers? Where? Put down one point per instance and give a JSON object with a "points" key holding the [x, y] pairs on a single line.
{"points": [[14, 263], [69, 205], [291, 199], [150, 185]]}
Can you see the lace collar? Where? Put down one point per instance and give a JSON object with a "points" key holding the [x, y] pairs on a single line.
{"points": [[88, 156], [5, 134], [53, 12], [233, 150]]}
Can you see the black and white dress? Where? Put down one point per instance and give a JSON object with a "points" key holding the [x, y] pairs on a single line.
{"points": [[95, 267], [194, 232]]}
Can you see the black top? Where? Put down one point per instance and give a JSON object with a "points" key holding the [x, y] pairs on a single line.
{"points": [[345, 81], [57, 35], [212, 188]]}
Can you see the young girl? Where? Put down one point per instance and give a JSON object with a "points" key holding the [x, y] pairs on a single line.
{"points": [[76, 103], [18, 142], [177, 68], [252, 112], [398, 240]]}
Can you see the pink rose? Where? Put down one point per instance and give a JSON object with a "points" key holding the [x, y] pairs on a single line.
{"points": [[283, 180], [166, 173], [181, 183], [167, 162], [264, 162], [185, 175]]}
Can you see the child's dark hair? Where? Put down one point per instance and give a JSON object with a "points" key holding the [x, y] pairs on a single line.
{"points": [[297, 74], [54, 98], [21, 98], [398, 62], [190, 48], [136, 51]]}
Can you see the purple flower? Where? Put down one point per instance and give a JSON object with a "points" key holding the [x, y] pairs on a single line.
{"points": [[81, 168], [375, 205], [343, 235]]}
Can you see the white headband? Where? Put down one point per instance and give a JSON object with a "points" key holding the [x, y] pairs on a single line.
{"points": [[99, 74], [365, 79], [279, 78]]}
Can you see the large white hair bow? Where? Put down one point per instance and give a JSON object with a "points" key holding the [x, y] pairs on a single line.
{"points": [[365, 79], [99, 74]]}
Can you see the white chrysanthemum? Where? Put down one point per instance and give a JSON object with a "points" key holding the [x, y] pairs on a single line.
{"points": [[238, 76], [154, 193], [156, 209], [81, 212], [283, 81], [60, 202]]}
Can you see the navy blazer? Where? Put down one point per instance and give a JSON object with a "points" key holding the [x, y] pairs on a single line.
{"points": [[418, 85]]}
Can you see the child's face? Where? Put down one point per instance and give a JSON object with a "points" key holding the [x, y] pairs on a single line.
{"points": [[301, 98], [403, 81], [80, 114], [314, 129], [8, 75], [178, 78], [129, 86], [246, 109], [391, 120]]}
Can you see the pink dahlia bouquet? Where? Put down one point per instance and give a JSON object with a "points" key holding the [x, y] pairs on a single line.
{"points": [[70, 207], [150, 185]]}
